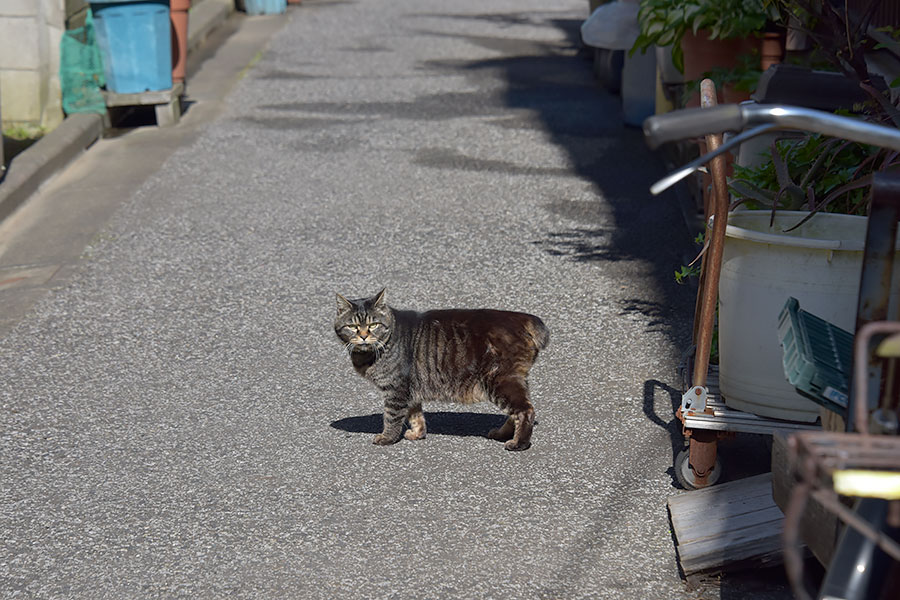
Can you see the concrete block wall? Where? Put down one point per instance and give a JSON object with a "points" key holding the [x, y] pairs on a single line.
{"points": [[30, 35]]}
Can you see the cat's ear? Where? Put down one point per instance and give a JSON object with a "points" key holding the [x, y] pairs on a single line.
{"points": [[343, 305], [379, 301]]}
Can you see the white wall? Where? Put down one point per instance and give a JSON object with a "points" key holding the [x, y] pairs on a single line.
{"points": [[30, 34]]}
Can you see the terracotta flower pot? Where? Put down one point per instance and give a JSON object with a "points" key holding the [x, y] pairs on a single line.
{"points": [[178, 11], [702, 55], [772, 49]]}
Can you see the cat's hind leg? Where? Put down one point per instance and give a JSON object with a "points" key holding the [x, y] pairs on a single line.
{"points": [[416, 419], [511, 395], [504, 432], [524, 426]]}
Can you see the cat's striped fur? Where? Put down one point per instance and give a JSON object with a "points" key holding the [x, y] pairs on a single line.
{"points": [[461, 355]]}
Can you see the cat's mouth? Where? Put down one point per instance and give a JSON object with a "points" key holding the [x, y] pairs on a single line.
{"points": [[365, 345]]}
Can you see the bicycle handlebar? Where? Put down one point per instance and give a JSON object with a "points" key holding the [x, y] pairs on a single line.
{"points": [[691, 122]]}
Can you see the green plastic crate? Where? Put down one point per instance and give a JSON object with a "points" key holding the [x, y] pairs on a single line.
{"points": [[818, 357]]}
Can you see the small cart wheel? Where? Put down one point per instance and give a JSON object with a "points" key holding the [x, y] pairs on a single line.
{"points": [[686, 477]]}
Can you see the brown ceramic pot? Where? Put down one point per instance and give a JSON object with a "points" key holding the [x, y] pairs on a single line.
{"points": [[702, 54], [178, 12]]}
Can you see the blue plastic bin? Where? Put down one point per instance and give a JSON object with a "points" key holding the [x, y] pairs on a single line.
{"points": [[265, 7], [135, 39]]}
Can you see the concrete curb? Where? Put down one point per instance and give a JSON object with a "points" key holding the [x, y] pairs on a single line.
{"points": [[50, 154], [34, 166], [204, 17]]}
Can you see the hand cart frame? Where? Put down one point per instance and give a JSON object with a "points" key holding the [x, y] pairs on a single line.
{"points": [[705, 417]]}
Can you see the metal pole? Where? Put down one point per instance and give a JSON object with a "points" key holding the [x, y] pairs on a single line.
{"points": [[709, 293], [875, 288], [704, 443]]}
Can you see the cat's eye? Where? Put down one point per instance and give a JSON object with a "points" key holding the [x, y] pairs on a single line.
{"points": [[374, 325]]}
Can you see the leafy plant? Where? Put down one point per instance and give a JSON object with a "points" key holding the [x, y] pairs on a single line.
{"points": [[24, 132], [691, 270], [842, 37], [685, 273], [814, 173], [743, 78], [893, 35], [664, 22]]}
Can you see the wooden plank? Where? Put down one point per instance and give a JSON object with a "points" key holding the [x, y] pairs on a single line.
{"points": [[741, 542], [765, 550], [726, 524], [148, 98], [716, 503], [724, 498], [702, 524]]}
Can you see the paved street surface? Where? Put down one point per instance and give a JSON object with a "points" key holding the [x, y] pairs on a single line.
{"points": [[179, 421]]}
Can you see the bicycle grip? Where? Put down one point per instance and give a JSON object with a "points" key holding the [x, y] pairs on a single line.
{"points": [[691, 122]]}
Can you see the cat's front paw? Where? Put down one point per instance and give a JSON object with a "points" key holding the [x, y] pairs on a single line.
{"points": [[383, 440]]}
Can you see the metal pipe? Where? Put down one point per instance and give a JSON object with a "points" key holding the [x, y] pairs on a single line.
{"points": [[681, 124], [696, 164], [817, 121], [702, 455], [704, 443], [713, 258], [874, 291], [690, 122]]}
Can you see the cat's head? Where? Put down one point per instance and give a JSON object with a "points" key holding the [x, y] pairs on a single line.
{"points": [[364, 324]]}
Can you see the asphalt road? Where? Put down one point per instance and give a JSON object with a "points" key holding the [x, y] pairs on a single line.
{"points": [[178, 420]]}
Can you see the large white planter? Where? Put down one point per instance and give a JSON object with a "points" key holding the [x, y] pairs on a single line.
{"points": [[818, 263]]}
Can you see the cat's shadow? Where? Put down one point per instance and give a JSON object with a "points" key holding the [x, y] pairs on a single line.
{"points": [[465, 424]]}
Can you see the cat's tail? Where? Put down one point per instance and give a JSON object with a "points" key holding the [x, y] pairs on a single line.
{"points": [[540, 335]]}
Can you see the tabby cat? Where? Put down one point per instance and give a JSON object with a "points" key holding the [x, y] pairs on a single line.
{"points": [[463, 355]]}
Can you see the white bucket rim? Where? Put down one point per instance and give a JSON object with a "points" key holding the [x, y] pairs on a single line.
{"points": [[743, 233]]}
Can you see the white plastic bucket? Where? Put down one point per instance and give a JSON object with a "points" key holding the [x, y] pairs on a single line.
{"points": [[818, 263]]}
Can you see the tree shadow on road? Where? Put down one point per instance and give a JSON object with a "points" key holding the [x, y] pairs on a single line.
{"points": [[463, 424], [549, 87]]}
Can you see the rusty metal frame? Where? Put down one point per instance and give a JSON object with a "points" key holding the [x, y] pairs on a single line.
{"points": [[703, 444], [815, 456]]}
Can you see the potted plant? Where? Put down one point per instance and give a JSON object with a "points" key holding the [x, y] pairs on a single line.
{"points": [[178, 13], [735, 83], [805, 240], [812, 173], [703, 34]]}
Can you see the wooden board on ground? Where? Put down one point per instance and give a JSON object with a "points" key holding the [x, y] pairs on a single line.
{"points": [[726, 525], [166, 103]]}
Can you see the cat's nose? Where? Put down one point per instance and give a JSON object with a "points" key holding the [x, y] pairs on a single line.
{"points": [[363, 335]]}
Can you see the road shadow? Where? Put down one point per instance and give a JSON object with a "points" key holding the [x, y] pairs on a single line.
{"points": [[657, 315], [462, 424], [668, 421], [551, 86]]}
